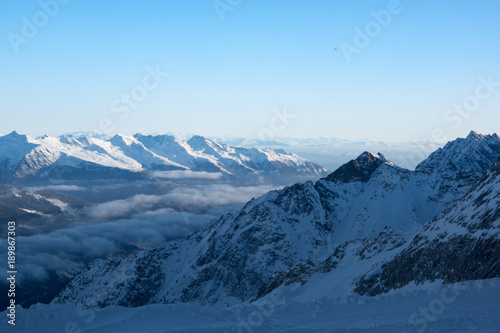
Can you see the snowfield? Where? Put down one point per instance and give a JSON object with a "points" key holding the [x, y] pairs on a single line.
{"points": [[472, 306]]}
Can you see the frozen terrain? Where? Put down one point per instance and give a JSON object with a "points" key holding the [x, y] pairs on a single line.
{"points": [[472, 306]]}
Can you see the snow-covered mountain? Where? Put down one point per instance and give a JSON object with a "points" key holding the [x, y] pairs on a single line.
{"points": [[457, 166], [202, 154], [460, 244], [358, 216], [25, 159]]}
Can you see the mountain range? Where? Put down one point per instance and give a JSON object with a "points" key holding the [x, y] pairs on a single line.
{"points": [[368, 228], [26, 159]]}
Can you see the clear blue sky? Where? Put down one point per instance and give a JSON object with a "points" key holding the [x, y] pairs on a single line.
{"points": [[227, 76]]}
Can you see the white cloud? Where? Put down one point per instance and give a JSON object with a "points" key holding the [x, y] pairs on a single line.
{"points": [[56, 188], [185, 174], [118, 226], [195, 199]]}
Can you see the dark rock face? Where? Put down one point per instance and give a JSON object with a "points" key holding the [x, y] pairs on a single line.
{"points": [[148, 281], [385, 241], [460, 244], [460, 259], [360, 169]]}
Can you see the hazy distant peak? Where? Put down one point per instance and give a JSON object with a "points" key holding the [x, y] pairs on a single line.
{"points": [[197, 140], [15, 134]]}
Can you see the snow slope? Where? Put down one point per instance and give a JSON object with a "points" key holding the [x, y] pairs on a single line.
{"points": [[462, 243], [463, 307]]}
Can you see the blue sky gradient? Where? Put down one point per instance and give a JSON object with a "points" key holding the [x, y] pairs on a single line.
{"points": [[228, 76]]}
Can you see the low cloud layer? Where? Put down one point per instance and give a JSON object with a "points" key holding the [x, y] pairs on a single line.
{"points": [[121, 227], [196, 199], [67, 249], [186, 174], [56, 188]]}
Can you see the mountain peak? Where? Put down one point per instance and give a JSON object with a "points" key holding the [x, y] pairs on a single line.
{"points": [[199, 142], [366, 158], [475, 136], [160, 139], [359, 169], [17, 136], [197, 139], [472, 156], [126, 139]]}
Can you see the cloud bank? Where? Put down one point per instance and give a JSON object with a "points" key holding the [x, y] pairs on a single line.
{"points": [[121, 227], [186, 174]]}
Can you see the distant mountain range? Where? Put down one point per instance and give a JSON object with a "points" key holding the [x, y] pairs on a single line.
{"points": [[369, 227], [332, 152], [289, 141], [27, 159]]}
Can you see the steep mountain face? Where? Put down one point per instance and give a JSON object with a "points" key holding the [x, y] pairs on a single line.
{"points": [[135, 150], [61, 158], [13, 148], [453, 169], [258, 165], [25, 159], [462, 243], [367, 208]]}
